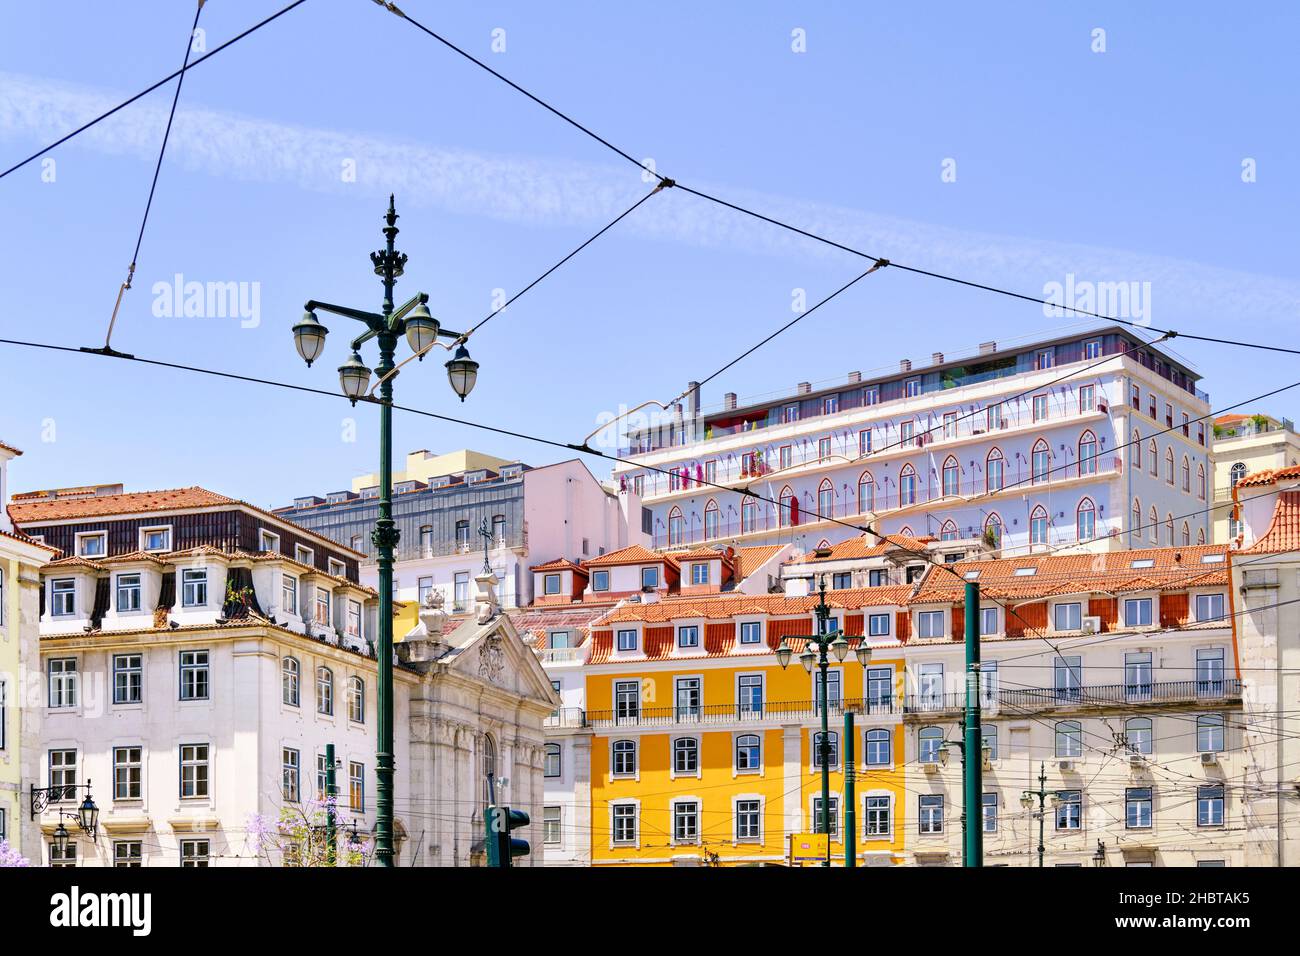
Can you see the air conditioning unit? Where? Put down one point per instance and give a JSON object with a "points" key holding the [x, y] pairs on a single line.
{"points": [[1067, 766], [1210, 759], [1091, 625], [931, 766]]}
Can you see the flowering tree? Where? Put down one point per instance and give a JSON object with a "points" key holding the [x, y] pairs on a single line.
{"points": [[298, 836], [11, 857]]}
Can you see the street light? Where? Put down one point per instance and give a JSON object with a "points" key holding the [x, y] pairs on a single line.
{"points": [[1027, 801], [422, 331], [824, 640]]}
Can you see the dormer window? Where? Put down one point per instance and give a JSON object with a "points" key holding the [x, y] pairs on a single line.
{"points": [[688, 637], [751, 632], [92, 544], [268, 540], [63, 597], [600, 581], [338, 568], [558, 640], [128, 592], [156, 539], [650, 577], [1137, 612], [304, 555], [354, 619], [337, 497], [626, 639], [442, 481], [372, 492], [194, 587], [551, 584], [510, 471], [700, 572], [1209, 607], [323, 606]]}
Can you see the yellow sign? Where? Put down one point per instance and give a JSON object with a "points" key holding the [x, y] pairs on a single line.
{"points": [[809, 847]]}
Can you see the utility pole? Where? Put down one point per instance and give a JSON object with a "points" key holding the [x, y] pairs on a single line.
{"points": [[331, 792], [972, 765], [1027, 801], [850, 799]]}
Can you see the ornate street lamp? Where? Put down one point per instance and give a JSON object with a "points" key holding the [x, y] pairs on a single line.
{"points": [[422, 331]]}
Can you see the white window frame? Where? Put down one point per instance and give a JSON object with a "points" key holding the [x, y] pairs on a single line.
{"points": [[83, 536], [635, 841], [186, 585], [755, 798]]}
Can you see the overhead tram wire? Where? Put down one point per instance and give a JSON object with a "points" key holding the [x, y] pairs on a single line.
{"points": [[153, 186], [147, 90]]}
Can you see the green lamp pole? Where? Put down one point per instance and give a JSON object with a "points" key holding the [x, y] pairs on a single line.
{"points": [[826, 640], [422, 331], [972, 769], [1027, 801]]}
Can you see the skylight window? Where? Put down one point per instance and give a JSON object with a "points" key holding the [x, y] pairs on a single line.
{"points": [[971, 575], [1211, 559], [1026, 572], [1143, 563]]}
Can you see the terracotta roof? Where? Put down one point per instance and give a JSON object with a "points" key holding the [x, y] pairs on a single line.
{"points": [[1173, 569], [1283, 532], [137, 556], [18, 536], [866, 546], [1223, 419], [9, 448], [559, 564], [725, 606], [75, 562], [55, 509], [632, 554], [1270, 476], [749, 560], [703, 554], [538, 622]]}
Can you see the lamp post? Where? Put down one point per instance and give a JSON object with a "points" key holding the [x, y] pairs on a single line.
{"points": [[422, 331], [86, 815], [967, 820], [1027, 801], [828, 642]]}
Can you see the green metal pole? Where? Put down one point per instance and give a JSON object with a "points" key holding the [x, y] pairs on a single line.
{"points": [[973, 763], [1042, 808], [825, 753], [385, 539], [850, 801], [330, 793]]}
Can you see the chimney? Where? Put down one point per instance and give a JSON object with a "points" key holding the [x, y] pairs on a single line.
{"points": [[936, 358], [693, 399], [905, 365], [988, 348], [855, 377], [805, 388], [729, 401]]}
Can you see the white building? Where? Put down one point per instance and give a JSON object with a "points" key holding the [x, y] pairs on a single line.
{"points": [[1025, 446]]}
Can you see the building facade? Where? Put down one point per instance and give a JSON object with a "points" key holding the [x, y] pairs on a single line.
{"points": [[1246, 444], [20, 668], [1095, 439], [532, 515]]}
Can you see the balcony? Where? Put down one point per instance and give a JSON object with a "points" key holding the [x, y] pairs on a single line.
{"points": [[764, 712], [571, 717], [561, 655], [1013, 702]]}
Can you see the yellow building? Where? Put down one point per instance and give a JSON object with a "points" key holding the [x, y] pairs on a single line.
{"points": [[1245, 444], [704, 748], [424, 465], [20, 755]]}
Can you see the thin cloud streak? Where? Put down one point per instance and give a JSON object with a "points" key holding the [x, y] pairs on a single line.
{"points": [[547, 192]]}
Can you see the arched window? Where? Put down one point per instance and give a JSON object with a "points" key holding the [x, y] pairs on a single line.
{"points": [[712, 520], [786, 514], [1169, 530], [951, 477], [832, 749], [1169, 466], [949, 531], [906, 531], [826, 499], [676, 527], [554, 764], [686, 755], [993, 530], [488, 769], [825, 543], [1187, 534], [1237, 473], [1200, 480], [1153, 458], [1135, 451], [1038, 526], [929, 740], [356, 700], [879, 751], [907, 485], [1085, 520], [1137, 735], [290, 678], [324, 691], [747, 752], [1088, 453], [748, 516], [624, 758], [1069, 739], [1038, 461], [1200, 536], [866, 493], [1187, 475], [1154, 525], [993, 470]]}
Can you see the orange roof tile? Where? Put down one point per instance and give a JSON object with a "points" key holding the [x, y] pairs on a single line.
{"points": [[26, 540], [9, 448], [749, 560], [703, 554], [632, 554], [725, 606], [56, 509], [559, 564], [1270, 476], [1173, 569], [865, 546], [1283, 532]]}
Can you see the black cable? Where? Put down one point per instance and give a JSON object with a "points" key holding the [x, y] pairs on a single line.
{"points": [[145, 92]]}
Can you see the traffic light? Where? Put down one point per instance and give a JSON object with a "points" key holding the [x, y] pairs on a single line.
{"points": [[500, 847]]}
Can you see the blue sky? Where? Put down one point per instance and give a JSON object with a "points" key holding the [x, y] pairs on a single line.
{"points": [[1117, 166]]}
